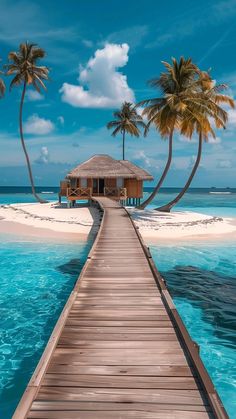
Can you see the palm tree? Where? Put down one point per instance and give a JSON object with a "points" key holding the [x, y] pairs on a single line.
{"points": [[23, 66], [167, 111], [2, 86], [127, 120], [206, 106]]}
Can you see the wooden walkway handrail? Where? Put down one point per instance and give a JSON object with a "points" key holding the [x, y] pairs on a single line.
{"points": [[119, 348], [79, 192], [110, 191]]}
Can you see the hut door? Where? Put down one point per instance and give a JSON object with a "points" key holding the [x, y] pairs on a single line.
{"points": [[95, 185], [101, 186]]}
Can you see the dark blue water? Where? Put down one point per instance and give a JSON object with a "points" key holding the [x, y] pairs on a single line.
{"points": [[202, 281]]}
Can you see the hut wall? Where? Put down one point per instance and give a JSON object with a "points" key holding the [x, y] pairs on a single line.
{"points": [[134, 188], [64, 184], [89, 183]]}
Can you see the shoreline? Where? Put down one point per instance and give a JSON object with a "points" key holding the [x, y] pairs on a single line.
{"points": [[53, 221], [50, 221], [181, 226], [14, 230]]}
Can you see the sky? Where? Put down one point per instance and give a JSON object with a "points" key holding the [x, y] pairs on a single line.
{"points": [[100, 54]]}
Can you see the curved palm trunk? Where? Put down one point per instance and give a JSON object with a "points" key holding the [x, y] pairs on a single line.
{"points": [[156, 189], [24, 148], [167, 207], [123, 144]]}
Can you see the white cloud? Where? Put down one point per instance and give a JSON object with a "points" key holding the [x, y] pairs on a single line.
{"points": [[87, 43], [212, 140], [140, 155], [43, 157], [102, 86], [38, 126], [143, 159], [140, 110], [182, 163], [232, 116], [194, 139], [184, 139], [224, 164], [33, 96], [61, 119]]}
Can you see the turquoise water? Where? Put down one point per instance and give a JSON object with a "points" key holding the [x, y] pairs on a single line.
{"points": [[198, 200], [36, 279], [203, 201], [35, 282], [24, 198], [202, 281]]}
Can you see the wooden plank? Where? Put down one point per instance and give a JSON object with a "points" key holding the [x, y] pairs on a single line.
{"points": [[133, 370], [122, 312], [72, 341], [121, 414], [107, 293], [72, 333], [161, 352], [165, 359], [121, 407], [79, 380], [122, 323], [127, 330], [113, 407], [188, 397], [130, 301], [118, 285]]}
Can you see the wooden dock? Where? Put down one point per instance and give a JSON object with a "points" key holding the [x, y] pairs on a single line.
{"points": [[119, 348]]}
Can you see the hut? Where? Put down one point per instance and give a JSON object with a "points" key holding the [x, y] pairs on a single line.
{"points": [[102, 175]]}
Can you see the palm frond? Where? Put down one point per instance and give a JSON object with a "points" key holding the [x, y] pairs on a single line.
{"points": [[22, 64], [189, 99], [127, 120], [116, 130]]}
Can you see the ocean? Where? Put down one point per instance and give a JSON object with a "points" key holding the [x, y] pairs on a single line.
{"points": [[37, 277]]}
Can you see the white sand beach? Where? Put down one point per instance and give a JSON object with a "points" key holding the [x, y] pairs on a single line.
{"points": [[49, 220], [53, 220], [155, 225]]}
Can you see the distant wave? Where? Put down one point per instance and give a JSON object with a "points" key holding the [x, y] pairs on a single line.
{"points": [[47, 192], [221, 193]]}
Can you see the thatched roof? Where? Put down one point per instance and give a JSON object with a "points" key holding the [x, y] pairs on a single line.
{"points": [[104, 166]]}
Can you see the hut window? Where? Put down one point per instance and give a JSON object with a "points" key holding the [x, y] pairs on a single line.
{"points": [[83, 182], [120, 182], [73, 183]]}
